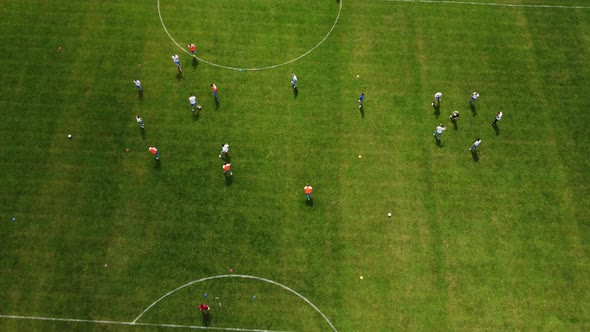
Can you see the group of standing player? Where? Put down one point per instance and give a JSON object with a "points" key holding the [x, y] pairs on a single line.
{"points": [[455, 116], [195, 107], [226, 167]]}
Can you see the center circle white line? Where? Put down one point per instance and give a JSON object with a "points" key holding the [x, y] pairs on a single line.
{"points": [[257, 68], [244, 276]]}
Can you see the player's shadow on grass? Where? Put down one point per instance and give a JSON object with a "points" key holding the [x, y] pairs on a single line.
{"points": [[295, 92], [206, 319], [195, 63], [309, 202], [142, 133], [473, 109], [140, 95], [455, 124], [362, 111], [474, 156], [439, 143], [229, 179], [196, 115], [497, 130], [179, 75], [158, 165], [436, 110], [217, 104]]}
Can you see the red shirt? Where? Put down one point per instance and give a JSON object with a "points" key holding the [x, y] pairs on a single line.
{"points": [[226, 167], [192, 47], [204, 307]]}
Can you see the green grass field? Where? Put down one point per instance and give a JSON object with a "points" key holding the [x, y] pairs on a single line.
{"points": [[91, 235]]}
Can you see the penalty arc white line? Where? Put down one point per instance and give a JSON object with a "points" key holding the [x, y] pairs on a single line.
{"points": [[244, 277], [135, 323], [252, 69], [489, 4]]}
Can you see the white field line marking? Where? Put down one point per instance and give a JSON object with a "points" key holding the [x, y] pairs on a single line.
{"points": [[490, 4], [109, 322], [238, 276], [251, 69]]}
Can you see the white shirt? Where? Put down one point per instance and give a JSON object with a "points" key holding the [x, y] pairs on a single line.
{"points": [[438, 95], [137, 83], [294, 79], [440, 129], [138, 119], [499, 116], [477, 142], [225, 148], [192, 100], [175, 58], [475, 96]]}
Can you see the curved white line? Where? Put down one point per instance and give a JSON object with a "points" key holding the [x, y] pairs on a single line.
{"points": [[251, 69], [237, 276]]}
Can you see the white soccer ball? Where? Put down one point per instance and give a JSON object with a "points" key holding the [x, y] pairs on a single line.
{"points": [[69, 135], [389, 214]]}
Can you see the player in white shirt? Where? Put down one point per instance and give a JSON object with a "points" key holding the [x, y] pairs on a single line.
{"points": [[224, 150], [294, 81], [474, 97], [439, 130], [475, 144], [498, 118], [194, 103], [176, 61], [138, 85], [437, 99], [139, 120]]}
